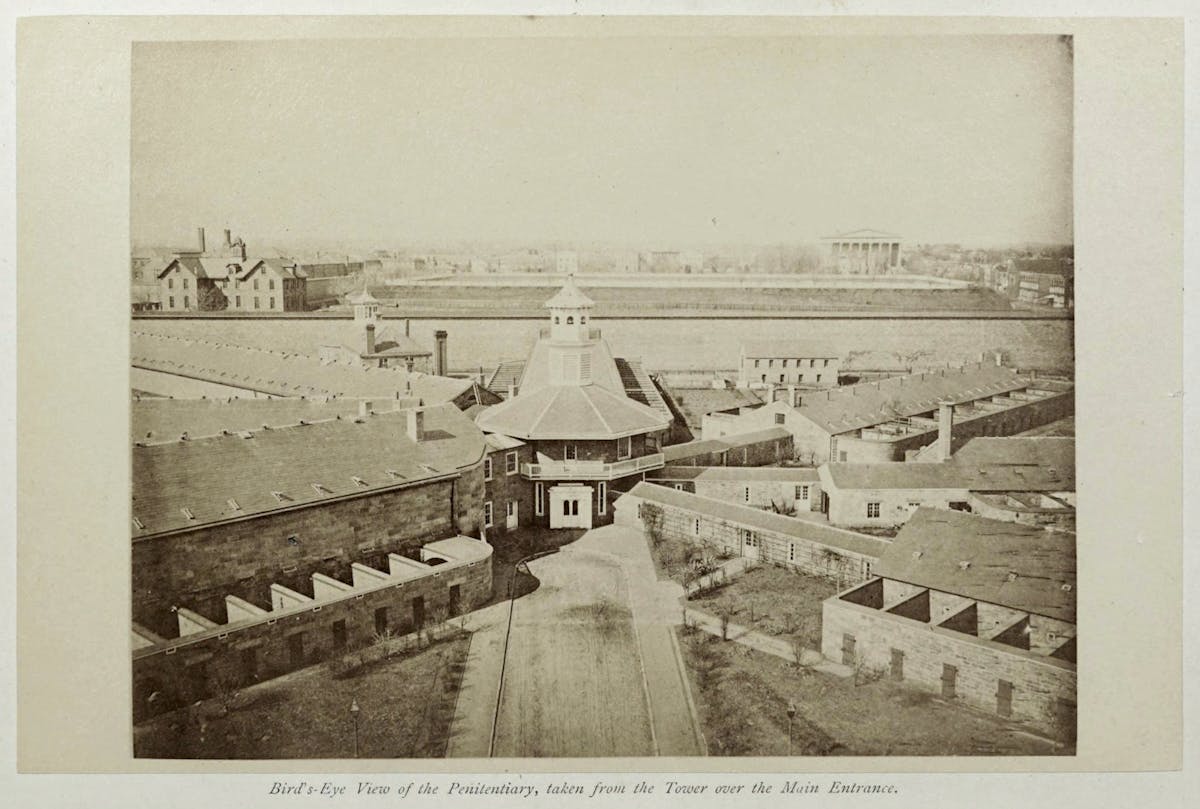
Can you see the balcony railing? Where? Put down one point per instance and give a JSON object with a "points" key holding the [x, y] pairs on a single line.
{"points": [[591, 470]]}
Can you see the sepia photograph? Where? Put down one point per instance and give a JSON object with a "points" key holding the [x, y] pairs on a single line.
{"points": [[602, 397]]}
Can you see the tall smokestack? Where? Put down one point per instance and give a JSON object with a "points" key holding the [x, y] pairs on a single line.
{"points": [[945, 430], [370, 338], [200, 238], [228, 239], [439, 353]]}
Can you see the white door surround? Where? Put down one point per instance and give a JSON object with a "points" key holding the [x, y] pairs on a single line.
{"points": [[571, 506]]}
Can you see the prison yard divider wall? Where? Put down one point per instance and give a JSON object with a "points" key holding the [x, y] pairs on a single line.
{"points": [[1040, 690], [197, 568], [259, 646], [842, 557]]}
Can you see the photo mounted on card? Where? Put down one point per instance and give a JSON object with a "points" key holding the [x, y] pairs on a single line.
{"points": [[606, 395]]}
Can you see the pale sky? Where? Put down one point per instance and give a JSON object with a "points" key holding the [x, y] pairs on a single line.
{"points": [[640, 141]]}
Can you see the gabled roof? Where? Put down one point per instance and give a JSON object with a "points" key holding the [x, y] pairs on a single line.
{"points": [[840, 410], [1018, 566], [991, 465], [695, 403], [570, 297], [280, 266], [583, 412], [284, 373], [388, 342], [361, 297], [159, 420], [189, 484]]}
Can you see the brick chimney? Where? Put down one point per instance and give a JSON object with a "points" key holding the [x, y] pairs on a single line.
{"points": [[439, 353], [200, 238], [945, 430], [415, 424], [512, 391], [370, 338], [228, 239]]}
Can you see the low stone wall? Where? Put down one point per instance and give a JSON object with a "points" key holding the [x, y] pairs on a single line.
{"points": [[1043, 688], [178, 671]]}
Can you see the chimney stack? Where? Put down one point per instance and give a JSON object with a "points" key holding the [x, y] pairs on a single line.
{"points": [[200, 238], [416, 425], [512, 391], [228, 240], [406, 323], [370, 338], [439, 353], [945, 430]]}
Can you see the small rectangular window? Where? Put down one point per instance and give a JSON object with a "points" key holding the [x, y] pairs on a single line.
{"points": [[539, 501], [602, 498], [780, 418], [170, 283], [186, 303], [791, 551], [271, 285], [802, 493], [696, 527], [487, 468], [487, 514], [510, 463], [237, 301], [171, 302], [872, 510], [185, 285], [256, 302], [746, 494], [272, 305]]}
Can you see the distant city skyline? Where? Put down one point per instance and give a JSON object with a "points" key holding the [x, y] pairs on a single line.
{"points": [[632, 142]]}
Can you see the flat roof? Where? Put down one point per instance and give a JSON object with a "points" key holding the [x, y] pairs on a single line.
{"points": [[783, 474]]}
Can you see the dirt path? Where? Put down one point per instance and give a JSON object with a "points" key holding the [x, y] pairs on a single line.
{"points": [[592, 666]]}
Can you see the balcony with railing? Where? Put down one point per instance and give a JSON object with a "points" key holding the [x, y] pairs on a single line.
{"points": [[591, 470]]}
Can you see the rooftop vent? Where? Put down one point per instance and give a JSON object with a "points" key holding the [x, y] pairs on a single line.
{"points": [[1012, 575], [187, 512], [281, 497], [964, 565], [1066, 588], [138, 524], [394, 475], [917, 554], [233, 504], [321, 488], [359, 481]]}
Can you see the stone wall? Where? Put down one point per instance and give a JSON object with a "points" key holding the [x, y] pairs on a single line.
{"points": [[197, 569], [848, 507], [187, 669], [808, 555], [764, 494], [1043, 688]]}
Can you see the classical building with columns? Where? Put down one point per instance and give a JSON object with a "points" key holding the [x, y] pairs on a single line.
{"points": [[862, 252]]}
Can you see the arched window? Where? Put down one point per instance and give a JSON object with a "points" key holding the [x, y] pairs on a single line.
{"points": [[570, 320], [582, 319], [556, 320]]}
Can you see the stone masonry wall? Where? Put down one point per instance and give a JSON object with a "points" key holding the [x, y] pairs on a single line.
{"points": [[1043, 689], [194, 669], [197, 569], [807, 555]]}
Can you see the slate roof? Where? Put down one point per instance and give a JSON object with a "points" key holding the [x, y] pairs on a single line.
{"points": [[640, 387], [841, 410], [1022, 567], [388, 342], [694, 403], [232, 476], [758, 518], [157, 420], [982, 465], [282, 373], [508, 372], [570, 411], [790, 348]]}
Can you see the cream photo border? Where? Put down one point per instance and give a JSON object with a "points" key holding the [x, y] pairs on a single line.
{"points": [[72, 383]]}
